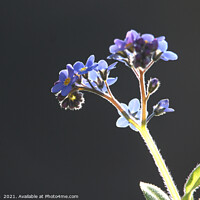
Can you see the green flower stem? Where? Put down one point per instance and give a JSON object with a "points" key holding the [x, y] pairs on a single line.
{"points": [[160, 163], [164, 172]]}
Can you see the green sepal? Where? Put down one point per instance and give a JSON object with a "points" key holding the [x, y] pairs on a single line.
{"points": [[192, 183], [152, 192]]}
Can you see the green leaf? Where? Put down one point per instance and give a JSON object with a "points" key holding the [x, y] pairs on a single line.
{"points": [[152, 192], [192, 183]]}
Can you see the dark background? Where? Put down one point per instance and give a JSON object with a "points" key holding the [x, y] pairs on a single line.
{"points": [[46, 150]]}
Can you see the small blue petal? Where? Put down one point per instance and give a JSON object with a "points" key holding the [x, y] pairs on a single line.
{"points": [[160, 38], [119, 43], [70, 70], [90, 61], [134, 105], [65, 91], [93, 75], [122, 122], [85, 82], [169, 55], [56, 88], [113, 48], [73, 80], [78, 65], [125, 107], [111, 81], [91, 67], [133, 127], [148, 37], [102, 64], [131, 36], [162, 45], [164, 58], [169, 110], [112, 66], [63, 74]]}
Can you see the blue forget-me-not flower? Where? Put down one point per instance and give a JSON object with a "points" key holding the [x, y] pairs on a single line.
{"points": [[66, 79], [80, 68], [132, 109]]}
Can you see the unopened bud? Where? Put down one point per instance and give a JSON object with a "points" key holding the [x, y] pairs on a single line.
{"points": [[162, 107], [157, 55], [153, 85]]}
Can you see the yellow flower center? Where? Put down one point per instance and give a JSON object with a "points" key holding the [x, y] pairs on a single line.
{"points": [[67, 81], [72, 97], [83, 69], [146, 41]]}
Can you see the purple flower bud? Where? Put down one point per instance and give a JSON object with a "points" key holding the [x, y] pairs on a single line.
{"points": [[140, 41], [162, 107], [153, 85]]}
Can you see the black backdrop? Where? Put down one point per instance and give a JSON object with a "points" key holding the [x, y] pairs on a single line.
{"points": [[45, 150]]}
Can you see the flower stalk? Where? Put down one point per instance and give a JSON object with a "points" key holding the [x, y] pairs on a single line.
{"points": [[160, 163], [143, 97]]}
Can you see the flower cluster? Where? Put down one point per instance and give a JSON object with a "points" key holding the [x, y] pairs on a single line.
{"points": [[92, 75], [136, 51], [139, 50]]}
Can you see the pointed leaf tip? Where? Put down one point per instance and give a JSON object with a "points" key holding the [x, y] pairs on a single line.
{"points": [[192, 183], [152, 192]]}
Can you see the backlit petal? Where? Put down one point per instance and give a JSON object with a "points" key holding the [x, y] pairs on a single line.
{"points": [[90, 61], [148, 37], [169, 110], [113, 48], [169, 55], [162, 45], [56, 88], [78, 65], [122, 122], [112, 66], [160, 38], [102, 64], [134, 105], [65, 91], [111, 81], [125, 107], [133, 127], [63, 74], [70, 70], [93, 75]]}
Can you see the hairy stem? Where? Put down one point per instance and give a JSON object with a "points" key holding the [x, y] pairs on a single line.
{"points": [[160, 163], [114, 102], [143, 97], [108, 89]]}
